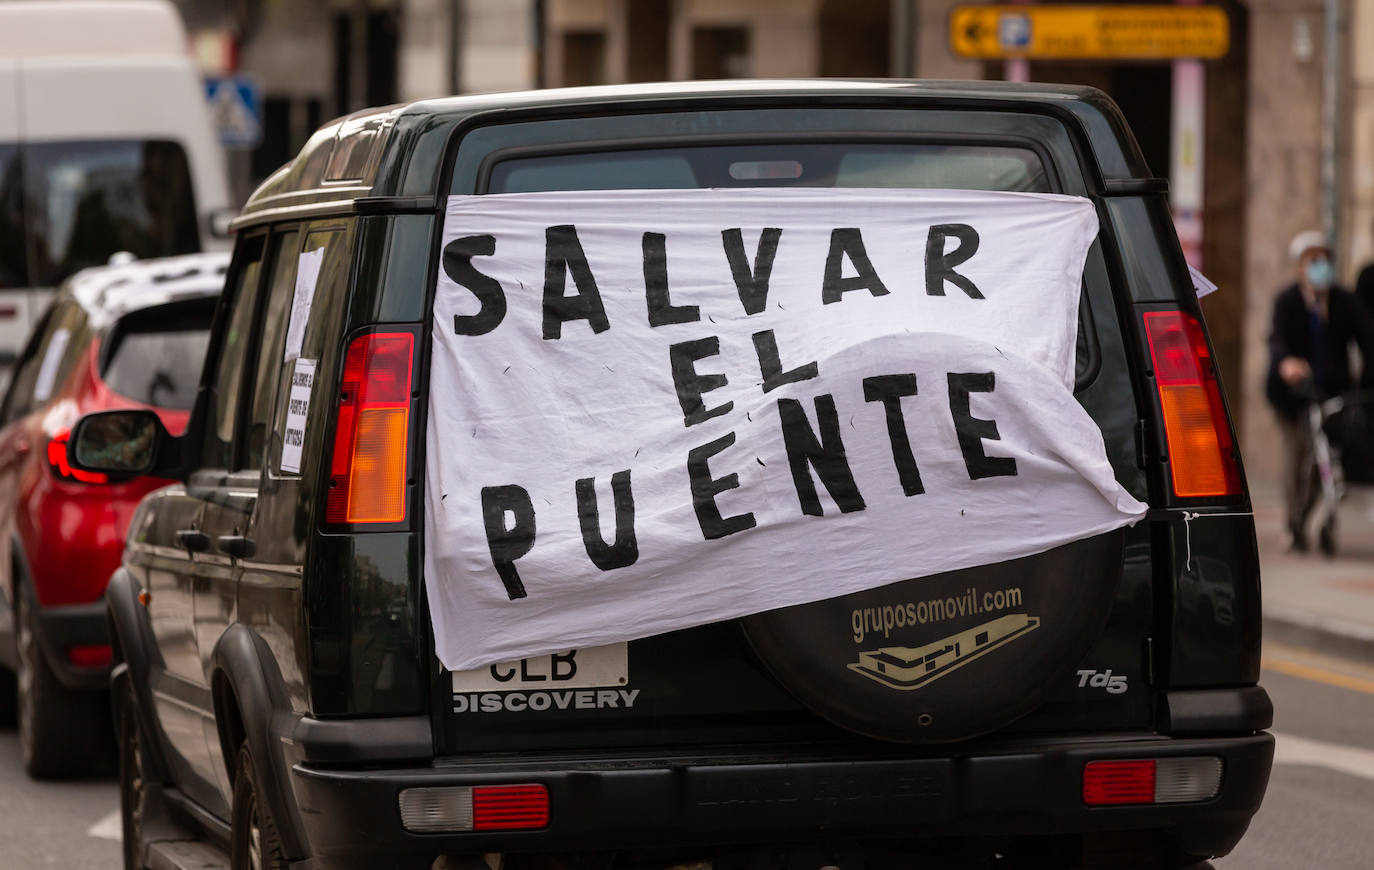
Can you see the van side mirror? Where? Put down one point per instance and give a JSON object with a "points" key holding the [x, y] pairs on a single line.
{"points": [[218, 221], [125, 444]]}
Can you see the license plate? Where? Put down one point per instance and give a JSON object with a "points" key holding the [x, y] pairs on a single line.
{"points": [[589, 668]]}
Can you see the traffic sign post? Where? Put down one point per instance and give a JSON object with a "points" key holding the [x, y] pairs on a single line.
{"points": [[1089, 32], [235, 110]]}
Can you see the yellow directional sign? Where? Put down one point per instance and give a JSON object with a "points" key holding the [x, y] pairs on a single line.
{"points": [[1089, 32]]}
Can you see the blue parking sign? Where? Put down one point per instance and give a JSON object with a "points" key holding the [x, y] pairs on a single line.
{"points": [[235, 110]]}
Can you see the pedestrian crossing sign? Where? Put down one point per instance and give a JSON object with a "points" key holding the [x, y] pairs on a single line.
{"points": [[235, 110]]}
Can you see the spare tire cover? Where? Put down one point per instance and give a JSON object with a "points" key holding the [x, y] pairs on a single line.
{"points": [[950, 656]]}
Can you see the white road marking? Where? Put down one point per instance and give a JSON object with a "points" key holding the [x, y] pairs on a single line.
{"points": [[1346, 759], [111, 827]]}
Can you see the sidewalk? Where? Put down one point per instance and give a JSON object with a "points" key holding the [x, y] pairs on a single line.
{"points": [[1310, 601]]}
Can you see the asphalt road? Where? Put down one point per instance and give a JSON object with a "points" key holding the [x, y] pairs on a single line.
{"points": [[1319, 812], [71, 825]]}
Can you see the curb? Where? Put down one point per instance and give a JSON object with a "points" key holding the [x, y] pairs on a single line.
{"points": [[1322, 634]]}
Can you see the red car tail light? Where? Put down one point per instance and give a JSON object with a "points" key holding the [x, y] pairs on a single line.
{"points": [[509, 807], [1201, 447], [1152, 781], [62, 469], [367, 470], [1119, 782], [94, 656], [480, 808]]}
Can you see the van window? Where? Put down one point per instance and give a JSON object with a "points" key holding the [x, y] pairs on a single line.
{"points": [[154, 356], [13, 272], [837, 164], [87, 200]]}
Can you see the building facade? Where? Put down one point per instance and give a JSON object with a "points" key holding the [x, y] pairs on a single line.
{"points": [[1275, 137]]}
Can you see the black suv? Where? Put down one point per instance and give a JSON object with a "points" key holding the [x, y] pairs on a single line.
{"points": [[279, 695]]}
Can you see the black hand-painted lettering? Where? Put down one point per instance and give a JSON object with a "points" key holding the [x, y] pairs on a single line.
{"points": [[751, 283], [563, 255], [508, 543], [848, 242], [826, 455], [889, 389], [625, 550], [940, 265], [457, 263], [690, 384], [973, 431], [770, 365], [662, 311], [705, 489]]}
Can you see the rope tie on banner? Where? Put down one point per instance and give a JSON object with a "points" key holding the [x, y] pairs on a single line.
{"points": [[1188, 517]]}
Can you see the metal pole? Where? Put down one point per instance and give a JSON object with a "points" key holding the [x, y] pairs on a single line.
{"points": [[456, 10], [903, 44], [537, 15], [1330, 123]]}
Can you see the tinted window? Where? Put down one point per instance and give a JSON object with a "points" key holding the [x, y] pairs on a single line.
{"points": [[321, 332], [836, 164], [20, 393], [970, 167], [13, 272], [154, 356], [87, 200], [66, 335], [280, 291], [226, 373]]}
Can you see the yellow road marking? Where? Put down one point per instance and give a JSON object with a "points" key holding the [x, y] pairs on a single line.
{"points": [[1318, 675]]}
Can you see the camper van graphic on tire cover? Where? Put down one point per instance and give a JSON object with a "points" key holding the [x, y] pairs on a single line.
{"points": [[906, 668]]}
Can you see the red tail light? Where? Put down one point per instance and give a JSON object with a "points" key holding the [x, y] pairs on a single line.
{"points": [[94, 656], [57, 462], [1119, 782], [367, 470], [436, 809], [1202, 456], [508, 807], [1189, 779]]}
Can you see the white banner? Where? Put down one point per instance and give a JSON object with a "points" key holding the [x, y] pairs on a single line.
{"points": [[657, 409]]}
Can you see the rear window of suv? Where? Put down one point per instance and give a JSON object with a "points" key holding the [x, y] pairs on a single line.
{"points": [[837, 164], [154, 356], [827, 164]]}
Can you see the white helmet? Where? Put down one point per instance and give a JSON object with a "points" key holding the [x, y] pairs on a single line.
{"points": [[1306, 241]]}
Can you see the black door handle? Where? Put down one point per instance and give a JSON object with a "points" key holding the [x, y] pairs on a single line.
{"points": [[237, 546], [194, 540]]}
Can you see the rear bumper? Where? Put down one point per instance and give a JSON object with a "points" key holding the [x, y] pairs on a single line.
{"points": [[69, 625], [351, 817]]}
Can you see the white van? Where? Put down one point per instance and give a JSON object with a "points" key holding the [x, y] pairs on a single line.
{"points": [[105, 146]]}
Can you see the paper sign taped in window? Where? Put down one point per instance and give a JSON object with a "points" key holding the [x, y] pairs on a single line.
{"points": [[298, 407], [307, 276]]}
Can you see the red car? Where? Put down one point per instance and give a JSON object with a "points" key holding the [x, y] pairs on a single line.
{"points": [[127, 336]]}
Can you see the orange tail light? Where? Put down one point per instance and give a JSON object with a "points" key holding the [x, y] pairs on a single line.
{"points": [[1201, 447], [367, 470]]}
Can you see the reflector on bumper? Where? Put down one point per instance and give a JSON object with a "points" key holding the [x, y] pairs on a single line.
{"points": [[1151, 781], [484, 808]]}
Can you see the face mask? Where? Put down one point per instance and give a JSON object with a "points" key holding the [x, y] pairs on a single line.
{"points": [[1320, 274]]}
